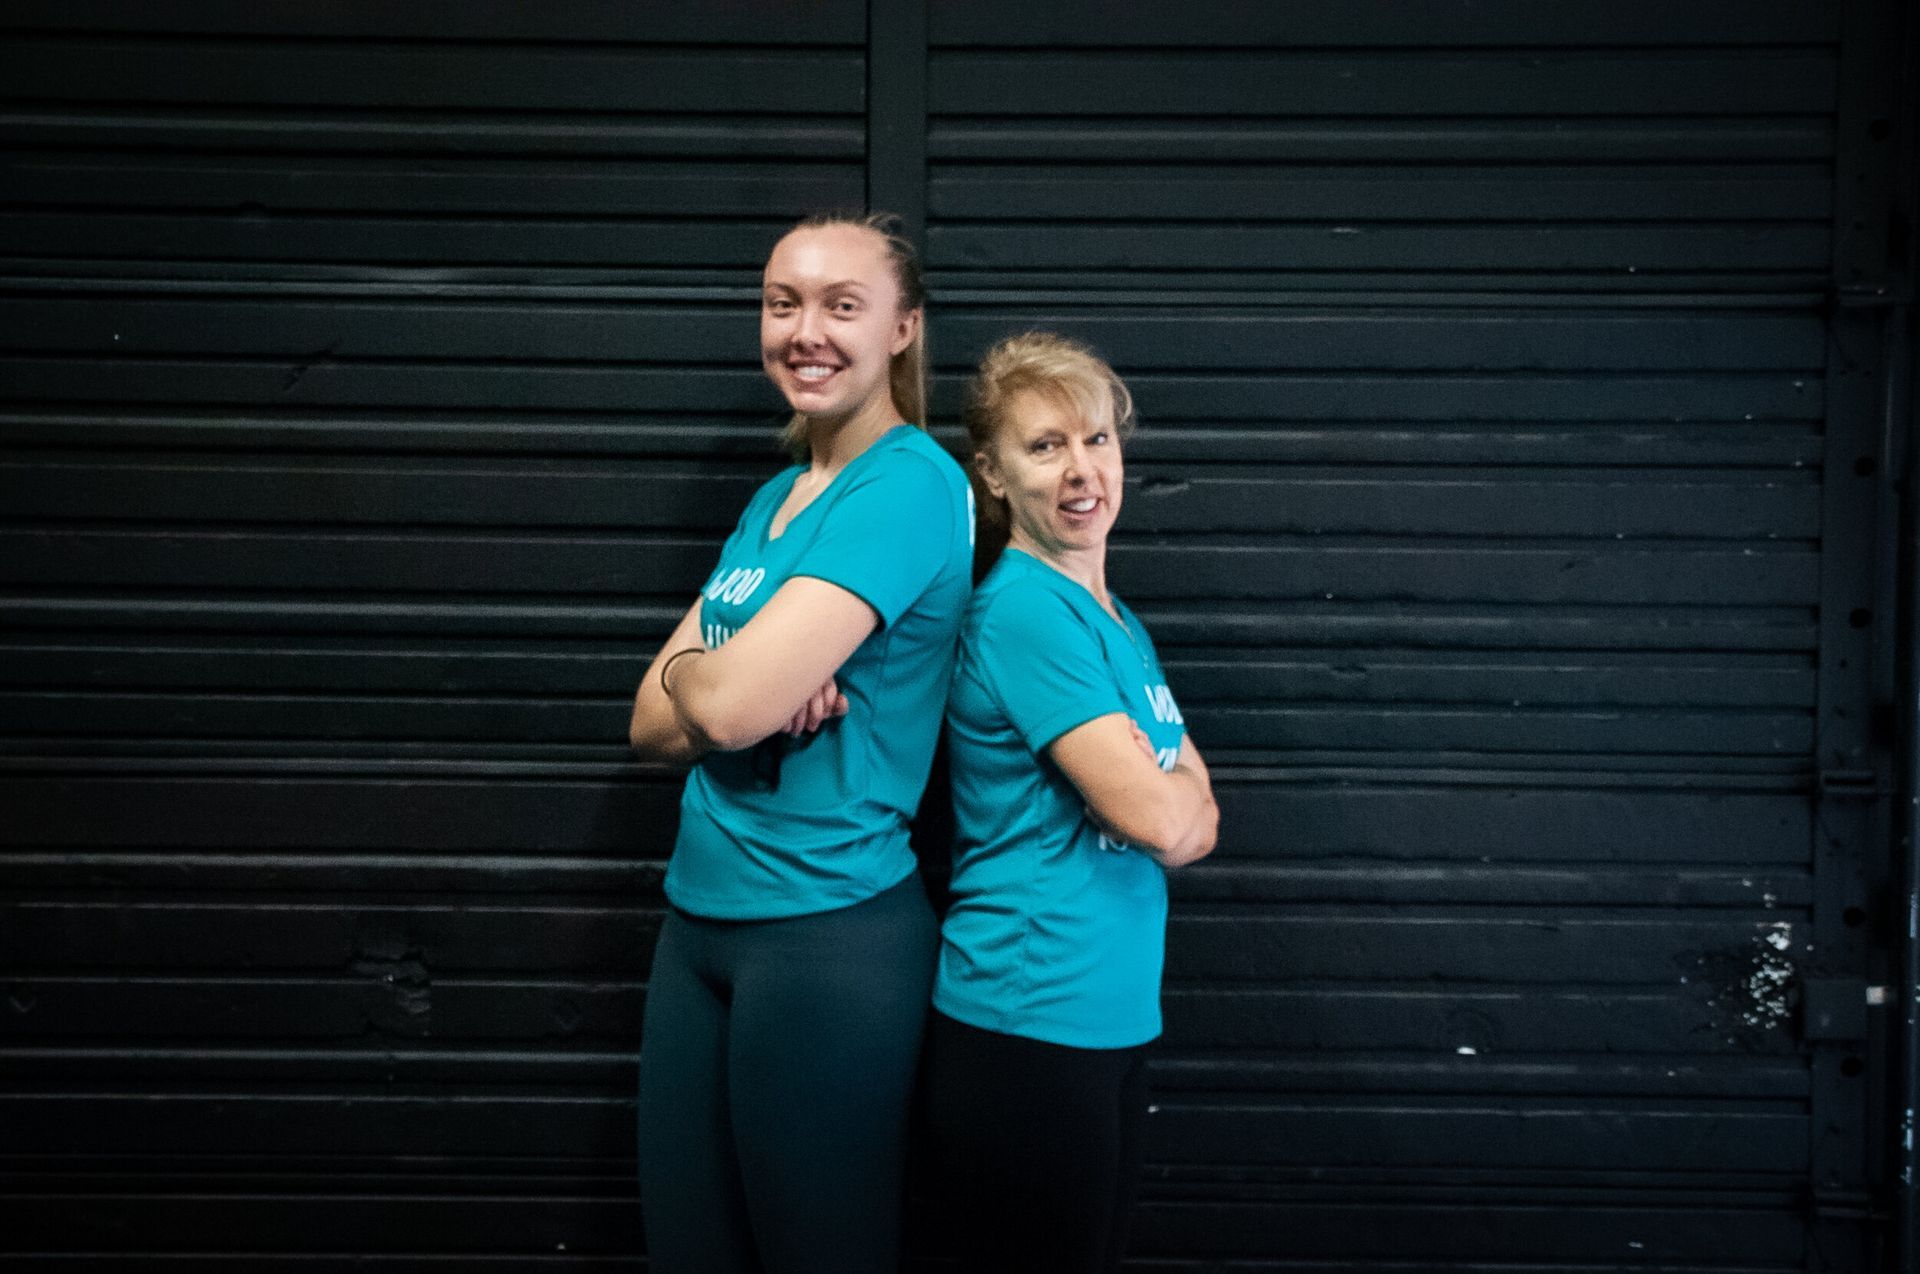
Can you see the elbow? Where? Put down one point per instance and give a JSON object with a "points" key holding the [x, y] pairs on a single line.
{"points": [[650, 744], [641, 731], [1199, 841], [715, 724], [1189, 852], [652, 732]]}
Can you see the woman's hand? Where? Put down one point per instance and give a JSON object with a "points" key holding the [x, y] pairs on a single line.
{"points": [[821, 707]]}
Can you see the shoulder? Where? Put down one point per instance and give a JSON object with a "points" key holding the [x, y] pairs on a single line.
{"points": [[1017, 602], [908, 481], [910, 459], [921, 447]]}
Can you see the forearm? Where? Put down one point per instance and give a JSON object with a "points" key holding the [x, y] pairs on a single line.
{"points": [[654, 731], [751, 687], [1159, 816], [710, 710], [1201, 835]]}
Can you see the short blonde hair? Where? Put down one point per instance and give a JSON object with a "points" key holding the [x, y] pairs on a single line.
{"points": [[1047, 363]]}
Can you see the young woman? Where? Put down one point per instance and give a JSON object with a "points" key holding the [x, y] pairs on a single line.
{"points": [[1075, 789], [788, 991]]}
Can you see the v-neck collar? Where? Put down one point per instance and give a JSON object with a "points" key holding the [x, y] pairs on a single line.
{"points": [[1113, 615], [768, 538]]}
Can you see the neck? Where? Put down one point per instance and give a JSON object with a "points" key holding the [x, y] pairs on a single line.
{"points": [[832, 444], [1085, 567]]}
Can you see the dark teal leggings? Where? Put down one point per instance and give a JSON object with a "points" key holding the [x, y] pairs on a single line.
{"points": [[776, 1071]]}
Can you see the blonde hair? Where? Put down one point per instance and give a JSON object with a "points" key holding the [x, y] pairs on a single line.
{"points": [[907, 370], [1046, 363]]}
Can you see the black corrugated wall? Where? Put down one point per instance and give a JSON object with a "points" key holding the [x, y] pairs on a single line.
{"points": [[1512, 508]]}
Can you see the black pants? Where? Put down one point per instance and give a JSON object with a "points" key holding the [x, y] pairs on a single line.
{"points": [[776, 1071], [1039, 1147]]}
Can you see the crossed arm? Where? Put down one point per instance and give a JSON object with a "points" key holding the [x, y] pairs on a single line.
{"points": [[776, 672], [1170, 815]]}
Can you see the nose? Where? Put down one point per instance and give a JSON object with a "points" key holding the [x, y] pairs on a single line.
{"points": [[806, 328], [1076, 468]]}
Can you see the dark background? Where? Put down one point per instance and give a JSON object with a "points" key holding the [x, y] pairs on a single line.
{"points": [[1517, 508]]}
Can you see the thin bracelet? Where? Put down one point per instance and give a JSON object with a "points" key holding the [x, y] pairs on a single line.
{"points": [[671, 660]]}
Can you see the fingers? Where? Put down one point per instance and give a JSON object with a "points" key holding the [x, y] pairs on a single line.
{"points": [[818, 708], [822, 706]]}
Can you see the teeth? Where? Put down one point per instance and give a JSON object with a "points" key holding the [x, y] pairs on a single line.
{"points": [[813, 371], [1080, 506]]}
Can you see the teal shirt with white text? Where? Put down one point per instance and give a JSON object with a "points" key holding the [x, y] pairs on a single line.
{"points": [[794, 826], [1056, 932]]}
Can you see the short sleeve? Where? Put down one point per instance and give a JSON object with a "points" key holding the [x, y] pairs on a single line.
{"points": [[1043, 665], [888, 536]]}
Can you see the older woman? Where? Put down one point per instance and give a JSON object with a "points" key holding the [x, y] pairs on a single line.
{"points": [[788, 990], [1075, 790]]}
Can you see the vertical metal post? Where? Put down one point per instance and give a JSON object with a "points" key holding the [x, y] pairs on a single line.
{"points": [[1852, 865], [1903, 429], [897, 111], [1905, 1087]]}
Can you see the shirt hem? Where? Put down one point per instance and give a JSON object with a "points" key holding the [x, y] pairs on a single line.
{"points": [[856, 892], [1020, 1024]]}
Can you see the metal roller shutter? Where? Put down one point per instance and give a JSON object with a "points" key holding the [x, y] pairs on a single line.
{"points": [[375, 387]]}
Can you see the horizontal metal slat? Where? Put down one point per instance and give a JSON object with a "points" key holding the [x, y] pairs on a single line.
{"points": [[533, 133], [254, 811], [1704, 138], [1569, 732], [1759, 1234], [583, 562], [1429, 192], [266, 185], [1229, 878], [1409, 1135], [522, 245], [164, 663], [186, 69], [1423, 23], [1733, 246], [1159, 499], [1212, 943], [1579, 82], [394, 1001], [1137, 339], [1714, 445], [745, 21]]}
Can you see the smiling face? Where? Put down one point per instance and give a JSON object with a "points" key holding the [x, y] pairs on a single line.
{"points": [[1059, 472], [831, 319]]}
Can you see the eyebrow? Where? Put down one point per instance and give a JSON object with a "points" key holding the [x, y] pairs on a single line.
{"points": [[831, 287]]}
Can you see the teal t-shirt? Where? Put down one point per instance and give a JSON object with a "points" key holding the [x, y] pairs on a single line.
{"points": [[794, 826], [1056, 932]]}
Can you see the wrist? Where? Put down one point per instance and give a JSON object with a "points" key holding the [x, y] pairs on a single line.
{"points": [[666, 668]]}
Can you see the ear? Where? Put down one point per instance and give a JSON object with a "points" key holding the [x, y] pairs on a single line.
{"points": [[983, 464], [905, 331]]}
